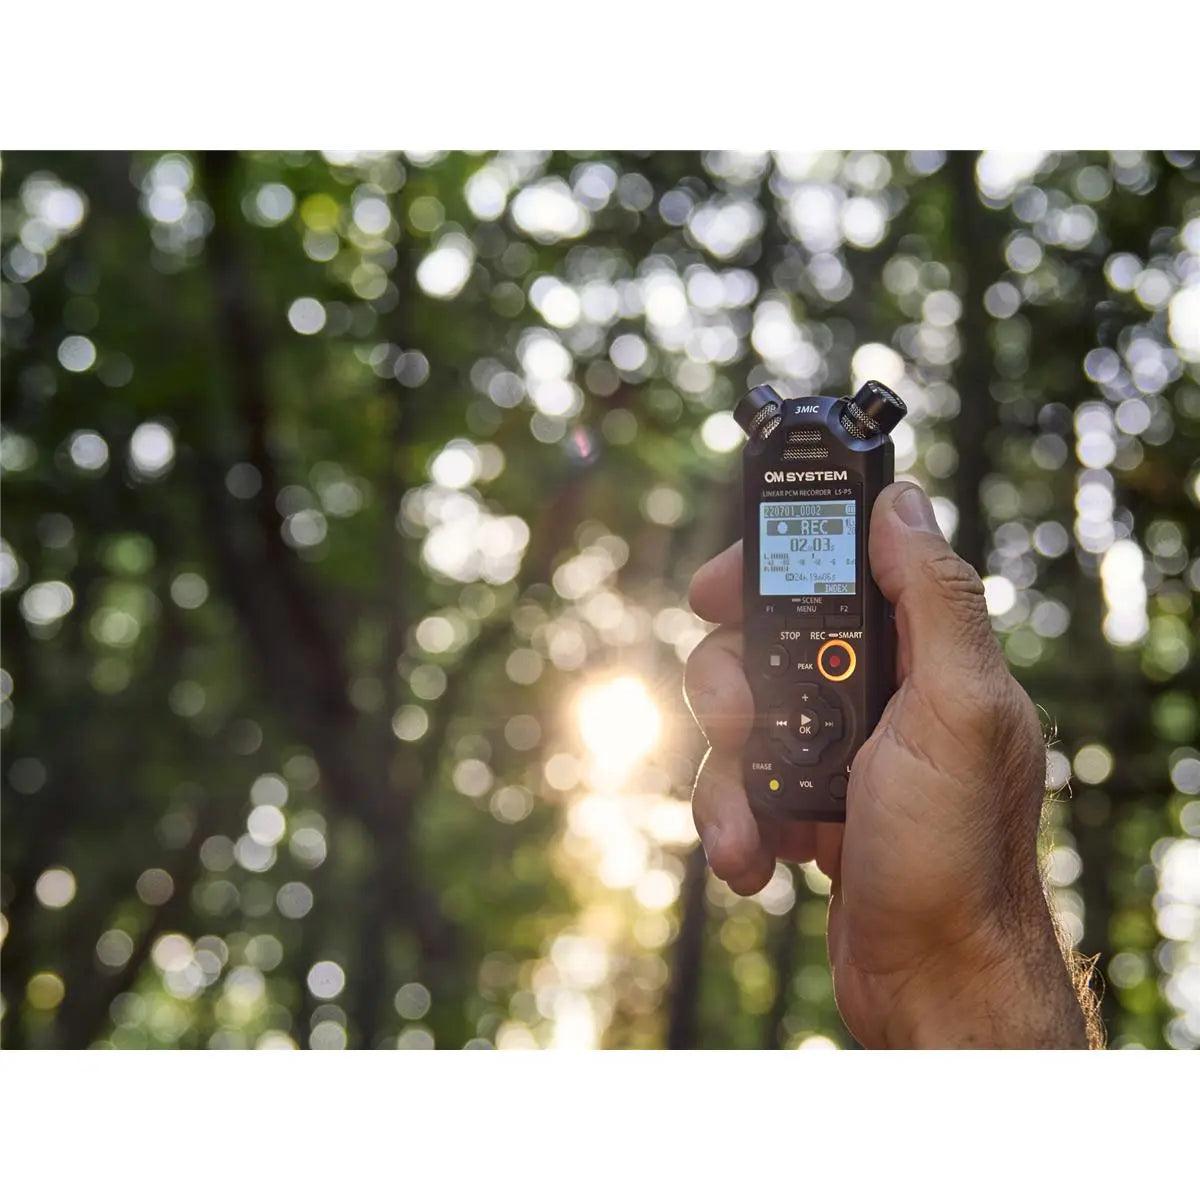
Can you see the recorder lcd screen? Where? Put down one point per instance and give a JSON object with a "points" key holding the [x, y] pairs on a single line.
{"points": [[808, 548]]}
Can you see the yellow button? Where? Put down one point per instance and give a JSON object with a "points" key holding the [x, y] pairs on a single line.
{"points": [[836, 660], [773, 784]]}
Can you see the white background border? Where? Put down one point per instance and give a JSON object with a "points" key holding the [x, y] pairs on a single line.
{"points": [[633, 74], [625, 1125], [745, 74]]}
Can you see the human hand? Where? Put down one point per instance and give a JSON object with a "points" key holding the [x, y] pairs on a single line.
{"points": [[939, 931]]}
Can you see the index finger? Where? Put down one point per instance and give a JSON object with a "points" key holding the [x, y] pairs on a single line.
{"points": [[716, 591]]}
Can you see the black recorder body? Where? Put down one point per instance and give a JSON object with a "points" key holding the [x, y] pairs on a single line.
{"points": [[819, 636]]}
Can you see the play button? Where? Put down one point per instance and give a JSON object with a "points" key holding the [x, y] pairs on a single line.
{"points": [[807, 724]]}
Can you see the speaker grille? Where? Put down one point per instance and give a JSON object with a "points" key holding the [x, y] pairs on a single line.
{"points": [[806, 445]]}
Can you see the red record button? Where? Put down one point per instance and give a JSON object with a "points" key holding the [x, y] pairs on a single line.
{"points": [[836, 660]]}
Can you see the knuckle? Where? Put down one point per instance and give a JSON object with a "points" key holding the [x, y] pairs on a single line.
{"points": [[991, 713], [698, 678], [991, 702], [725, 864], [978, 673], [696, 660], [706, 655], [700, 787], [713, 780], [1008, 726], [958, 585], [715, 689], [1024, 735]]}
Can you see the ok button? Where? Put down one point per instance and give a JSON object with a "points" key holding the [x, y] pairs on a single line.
{"points": [[806, 724]]}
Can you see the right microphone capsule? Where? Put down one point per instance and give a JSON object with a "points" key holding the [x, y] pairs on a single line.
{"points": [[875, 409]]}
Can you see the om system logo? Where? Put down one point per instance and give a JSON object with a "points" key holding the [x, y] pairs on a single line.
{"points": [[802, 476]]}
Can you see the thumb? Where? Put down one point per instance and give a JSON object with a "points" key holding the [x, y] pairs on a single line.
{"points": [[941, 618]]}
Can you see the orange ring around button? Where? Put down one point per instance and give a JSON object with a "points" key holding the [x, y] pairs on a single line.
{"points": [[837, 644]]}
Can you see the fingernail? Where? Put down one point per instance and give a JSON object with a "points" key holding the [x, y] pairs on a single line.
{"points": [[710, 839], [915, 510]]}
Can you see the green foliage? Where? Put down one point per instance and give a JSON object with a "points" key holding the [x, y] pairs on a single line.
{"points": [[332, 483]]}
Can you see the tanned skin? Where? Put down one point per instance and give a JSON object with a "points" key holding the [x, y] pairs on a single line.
{"points": [[939, 934]]}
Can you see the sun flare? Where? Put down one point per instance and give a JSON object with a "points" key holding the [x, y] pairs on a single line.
{"points": [[619, 722]]}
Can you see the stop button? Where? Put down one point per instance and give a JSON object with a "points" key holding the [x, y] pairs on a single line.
{"points": [[836, 660]]}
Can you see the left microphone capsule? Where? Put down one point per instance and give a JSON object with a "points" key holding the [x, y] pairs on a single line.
{"points": [[759, 412]]}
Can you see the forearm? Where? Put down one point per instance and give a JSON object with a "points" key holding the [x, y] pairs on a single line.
{"points": [[1014, 990]]}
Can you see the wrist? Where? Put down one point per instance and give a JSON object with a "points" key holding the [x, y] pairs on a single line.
{"points": [[1006, 987]]}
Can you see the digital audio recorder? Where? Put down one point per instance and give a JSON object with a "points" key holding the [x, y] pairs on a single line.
{"points": [[819, 636]]}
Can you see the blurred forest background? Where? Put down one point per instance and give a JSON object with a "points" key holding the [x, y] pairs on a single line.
{"points": [[349, 505]]}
